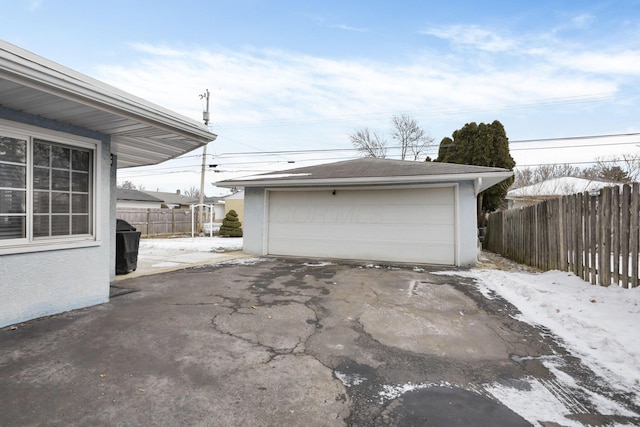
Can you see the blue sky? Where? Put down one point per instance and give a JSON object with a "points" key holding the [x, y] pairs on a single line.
{"points": [[302, 75]]}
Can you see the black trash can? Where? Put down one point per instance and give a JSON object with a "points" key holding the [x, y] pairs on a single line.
{"points": [[127, 243]]}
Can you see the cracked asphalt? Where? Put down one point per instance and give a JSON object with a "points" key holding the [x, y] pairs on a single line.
{"points": [[277, 342]]}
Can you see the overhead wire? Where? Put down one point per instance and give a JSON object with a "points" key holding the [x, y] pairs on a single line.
{"points": [[194, 168]]}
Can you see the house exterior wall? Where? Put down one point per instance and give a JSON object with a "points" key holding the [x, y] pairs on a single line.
{"points": [[467, 243], [254, 228], [113, 180], [45, 282], [218, 212], [236, 205]]}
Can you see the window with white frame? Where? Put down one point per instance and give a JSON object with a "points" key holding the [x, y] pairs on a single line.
{"points": [[13, 188], [46, 189]]}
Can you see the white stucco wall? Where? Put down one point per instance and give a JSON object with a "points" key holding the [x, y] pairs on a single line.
{"points": [[253, 227], [468, 248], [467, 238], [37, 284]]}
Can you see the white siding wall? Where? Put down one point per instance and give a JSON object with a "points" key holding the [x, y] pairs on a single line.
{"points": [[43, 283], [467, 233], [468, 225], [253, 228]]}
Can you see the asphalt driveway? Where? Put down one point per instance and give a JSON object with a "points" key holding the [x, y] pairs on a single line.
{"points": [[272, 343]]}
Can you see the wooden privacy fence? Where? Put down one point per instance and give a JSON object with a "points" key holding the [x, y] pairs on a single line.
{"points": [[592, 235], [157, 222]]}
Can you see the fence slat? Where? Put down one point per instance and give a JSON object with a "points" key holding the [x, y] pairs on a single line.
{"points": [[633, 238], [625, 224], [615, 235], [157, 222], [595, 236]]}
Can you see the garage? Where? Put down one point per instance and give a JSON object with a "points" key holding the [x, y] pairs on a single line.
{"points": [[368, 209], [398, 225]]}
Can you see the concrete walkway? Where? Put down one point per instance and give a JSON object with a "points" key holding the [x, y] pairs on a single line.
{"points": [[164, 260]]}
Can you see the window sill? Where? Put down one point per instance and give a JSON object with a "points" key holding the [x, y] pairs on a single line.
{"points": [[48, 246]]}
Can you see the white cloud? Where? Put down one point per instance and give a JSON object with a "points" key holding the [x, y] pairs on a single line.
{"points": [[33, 5], [473, 36], [613, 62], [583, 20], [257, 86], [349, 28], [265, 99], [156, 50]]}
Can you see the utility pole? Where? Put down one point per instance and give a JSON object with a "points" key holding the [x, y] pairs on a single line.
{"points": [[205, 117]]}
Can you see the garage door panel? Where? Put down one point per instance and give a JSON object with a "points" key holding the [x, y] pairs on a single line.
{"points": [[364, 232], [365, 250], [359, 214], [417, 214], [361, 250], [416, 225]]}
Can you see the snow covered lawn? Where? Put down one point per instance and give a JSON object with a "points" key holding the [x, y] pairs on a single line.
{"points": [[598, 325], [197, 244]]}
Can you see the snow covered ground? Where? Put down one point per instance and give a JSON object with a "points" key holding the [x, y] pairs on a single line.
{"points": [[197, 244], [601, 326]]}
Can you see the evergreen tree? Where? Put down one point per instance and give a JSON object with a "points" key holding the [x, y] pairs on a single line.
{"points": [[481, 145], [231, 225]]}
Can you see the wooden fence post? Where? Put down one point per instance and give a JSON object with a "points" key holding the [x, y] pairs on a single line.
{"points": [[594, 238], [615, 233], [625, 234], [579, 214], [634, 234]]}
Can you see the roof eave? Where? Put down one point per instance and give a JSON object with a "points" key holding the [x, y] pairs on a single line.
{"points": [[25, 68], [491, 178]]}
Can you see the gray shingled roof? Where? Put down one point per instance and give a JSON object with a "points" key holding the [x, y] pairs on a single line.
{"points": [[370, 168], [173, 198], [373, 167], [135, 195]]}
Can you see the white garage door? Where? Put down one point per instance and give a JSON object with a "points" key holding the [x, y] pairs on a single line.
{"points": [[400, 225]]}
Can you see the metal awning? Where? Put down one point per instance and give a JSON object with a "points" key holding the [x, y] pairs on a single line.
{"points": [[142, 133]]}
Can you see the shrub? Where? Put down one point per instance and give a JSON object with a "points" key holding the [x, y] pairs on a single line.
{"points": [[231, 225]]}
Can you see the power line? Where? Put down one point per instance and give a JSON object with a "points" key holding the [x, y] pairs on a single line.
{"points": [[431, 150], [573, 138], [518, 141], [570, 163], [575, 146]]}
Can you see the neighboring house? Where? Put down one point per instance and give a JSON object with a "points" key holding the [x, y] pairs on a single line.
{"points": [[62, 137], [235, 202], [135, 199], [367, 209], [551, 189], [173, 200], [218, 207]]}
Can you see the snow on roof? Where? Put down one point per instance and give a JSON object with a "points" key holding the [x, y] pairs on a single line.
{"points": [[564, 186], [374, 171]]}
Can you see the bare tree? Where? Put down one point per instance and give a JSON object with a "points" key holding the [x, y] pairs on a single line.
{"points": [[369, 144], [631, 164], [606, 171], [623, 168], [530, 176], [193, 192], [412, 139], [127, 185]]}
